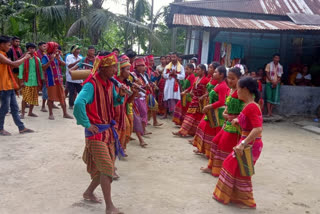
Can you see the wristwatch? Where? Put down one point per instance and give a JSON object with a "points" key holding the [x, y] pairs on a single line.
{"points": [[243, 143]]}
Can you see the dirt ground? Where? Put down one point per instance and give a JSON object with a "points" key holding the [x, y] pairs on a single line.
{"points": [[43, 173]]}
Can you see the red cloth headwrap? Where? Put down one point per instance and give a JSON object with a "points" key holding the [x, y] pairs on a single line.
{"points": [[51, 47]]}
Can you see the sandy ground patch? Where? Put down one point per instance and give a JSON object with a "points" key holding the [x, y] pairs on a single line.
{"points": [[43, 172]]}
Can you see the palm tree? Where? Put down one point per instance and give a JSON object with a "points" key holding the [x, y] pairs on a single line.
{"points": [[97, 20]]}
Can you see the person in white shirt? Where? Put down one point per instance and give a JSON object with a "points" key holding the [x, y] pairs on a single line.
{"points": [[73, 85], [173, 73]]}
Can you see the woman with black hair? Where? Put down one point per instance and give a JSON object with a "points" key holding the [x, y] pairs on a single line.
{"points": [[217, 98], [232, 186], [223, 143], [194, 113], [182, 106]]}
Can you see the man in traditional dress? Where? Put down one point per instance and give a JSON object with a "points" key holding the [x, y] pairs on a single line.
{"points": [[274, 72], [51, 65], [42, 48], [173, 73], [74, 86], [31, 77], [8, 86], [85, 61], [14, 54], [94, 110]]}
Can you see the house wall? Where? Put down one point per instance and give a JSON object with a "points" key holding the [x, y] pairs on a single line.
{"points": [[298, 100]]}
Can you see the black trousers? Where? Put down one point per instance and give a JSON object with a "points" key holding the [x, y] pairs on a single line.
{"points": [[73, 88]]}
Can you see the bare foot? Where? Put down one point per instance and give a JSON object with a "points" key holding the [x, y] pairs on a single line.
{"points": [[197, 152], [4, 133], [157, 124], [176, 133], [32, 115], [143, 144], [113, 210], [92, 198], [115, 176], [51, 117], [21, 116], [67, 116], [44, 110], [26, 131], [131, 138], [205, 170], [147, 133]]}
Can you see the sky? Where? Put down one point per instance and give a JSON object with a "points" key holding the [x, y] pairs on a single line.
{"points": [[118, 6]]}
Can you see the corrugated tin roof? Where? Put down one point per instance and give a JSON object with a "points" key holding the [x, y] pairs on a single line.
{"points": [[304, 19], [240, 24], [275, 7]]}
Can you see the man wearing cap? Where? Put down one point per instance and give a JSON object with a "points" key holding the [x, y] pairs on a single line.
{"points": [[94, 110], [73, 85], [123, 112], [31, 77]]}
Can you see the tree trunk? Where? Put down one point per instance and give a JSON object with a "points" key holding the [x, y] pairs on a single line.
{"points": [[151, 28]]}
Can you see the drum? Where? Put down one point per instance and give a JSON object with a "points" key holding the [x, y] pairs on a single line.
{"points": [[80, 74]]}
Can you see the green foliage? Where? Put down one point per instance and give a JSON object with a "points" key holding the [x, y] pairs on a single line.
{"points": [[85, 22]]}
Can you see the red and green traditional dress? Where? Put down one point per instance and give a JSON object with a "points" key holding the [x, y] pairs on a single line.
{"points": [[232, 186], [182, 106], [227, 138], [205, 133], [194, 113], [95, 106]]}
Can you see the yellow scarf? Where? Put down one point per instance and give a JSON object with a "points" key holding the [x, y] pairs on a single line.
{"points": [[169, 67]]}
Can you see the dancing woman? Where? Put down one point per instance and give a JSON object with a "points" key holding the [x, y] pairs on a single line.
{"points": [[194, 113], [232, 186], [205, 133], [182, 106], [229, 136]]}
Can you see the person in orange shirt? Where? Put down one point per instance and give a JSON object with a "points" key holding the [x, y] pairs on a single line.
{"points": [[8, 86]]}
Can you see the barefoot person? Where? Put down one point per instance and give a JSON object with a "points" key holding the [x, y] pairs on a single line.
{"points": [[274, 72], [194, 113], [51, 65], [232, 187], [173, 73], [217, 98], [42, 48], [94, 110], [31, 78], [223, 143], [8, 86], [121, 115], [182, 106]]}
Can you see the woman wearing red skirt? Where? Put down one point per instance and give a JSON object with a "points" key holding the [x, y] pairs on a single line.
{"points": [[232, 186], [229, 136], [194, 113], [182, 106], [217, 97]]}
